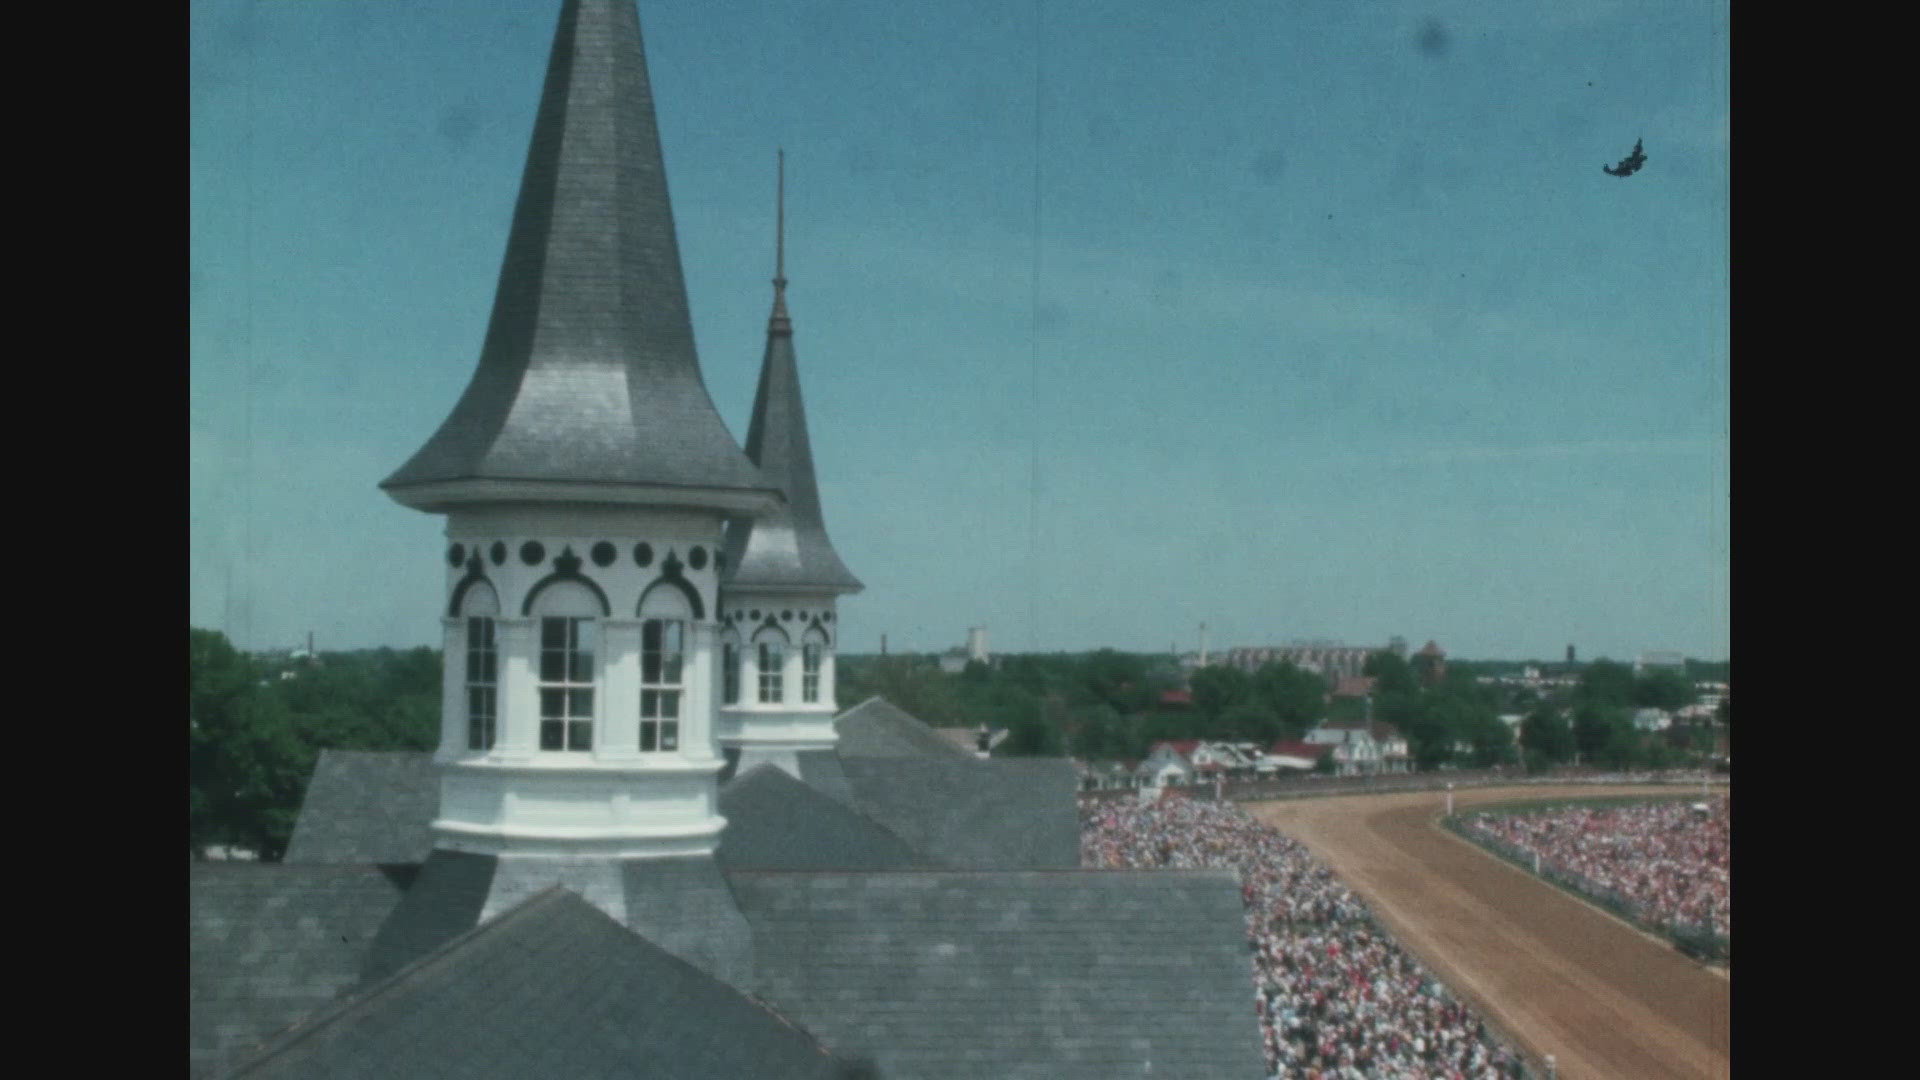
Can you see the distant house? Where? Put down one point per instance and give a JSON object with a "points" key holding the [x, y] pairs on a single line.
{"points": [[1355, 686], [1107, 776], [1651, 720], [1166, 764], [1297, 756], [1362, 746]]}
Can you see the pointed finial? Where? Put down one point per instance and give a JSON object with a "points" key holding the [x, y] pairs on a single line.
{"points": [[778, 323]]}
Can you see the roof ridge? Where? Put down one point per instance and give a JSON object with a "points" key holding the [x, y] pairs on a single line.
{"points": [[302, 1030]]}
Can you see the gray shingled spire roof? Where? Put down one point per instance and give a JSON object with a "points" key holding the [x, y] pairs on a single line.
{"points": [[588, 374], [785, 548]]}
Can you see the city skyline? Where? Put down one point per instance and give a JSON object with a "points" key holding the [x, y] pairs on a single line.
{"points": [[1331, 326]]}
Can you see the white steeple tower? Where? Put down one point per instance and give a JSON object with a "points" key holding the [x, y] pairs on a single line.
{"points": [[779, 623], [586, 480]]}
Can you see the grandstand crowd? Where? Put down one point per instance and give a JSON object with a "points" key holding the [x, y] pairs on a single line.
{"points": [[1668, 862], [1336, 998]]}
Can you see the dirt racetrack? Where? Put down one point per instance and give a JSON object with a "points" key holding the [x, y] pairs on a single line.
{"points": [[1561, 976]]}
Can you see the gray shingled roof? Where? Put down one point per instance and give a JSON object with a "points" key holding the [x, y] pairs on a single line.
{"points": [[552, 988], [367, 806], [821, 770], [878, 728], [775, 822], [786, 547], [1080, 974], [269, 944], [681, 904], [1004, 814], [588, 372]]}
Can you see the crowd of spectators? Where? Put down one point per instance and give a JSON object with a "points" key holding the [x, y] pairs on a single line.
{"points": [[1336, 998], [1667, 861]]}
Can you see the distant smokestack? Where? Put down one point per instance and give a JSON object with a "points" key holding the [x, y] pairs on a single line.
{"points": [[309, 644], [1203, 644], [1569, 654], [883, 644]]}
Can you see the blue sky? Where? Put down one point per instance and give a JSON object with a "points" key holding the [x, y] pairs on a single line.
{"points": [[1331, 326]]}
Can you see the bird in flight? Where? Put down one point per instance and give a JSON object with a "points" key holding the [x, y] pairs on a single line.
{"points": [[1629, 164]]}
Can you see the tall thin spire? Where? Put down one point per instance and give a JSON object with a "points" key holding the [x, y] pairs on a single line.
{"points": [[588, 373], [778, 323], [785, 548]]}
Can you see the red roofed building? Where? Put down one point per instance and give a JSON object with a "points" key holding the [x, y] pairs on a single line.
{"points": [[1355, 686]]}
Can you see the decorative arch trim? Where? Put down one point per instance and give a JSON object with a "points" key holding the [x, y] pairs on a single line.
{"points": [[686, 589], [475, 575], [774, 626], [566, 567]]}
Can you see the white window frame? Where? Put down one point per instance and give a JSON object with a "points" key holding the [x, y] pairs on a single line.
{"points": [[482, 682], [813, 653], [567, 683], [663, 664], [772, 681]]}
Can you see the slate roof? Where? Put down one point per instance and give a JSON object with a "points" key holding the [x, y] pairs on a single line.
{"points": [[1010, 813], [552, 988], [1093, 974], [878, 728], [775, 822], [785, 548], [367, 806], [269, 944], [588, 372], [821, 770]]}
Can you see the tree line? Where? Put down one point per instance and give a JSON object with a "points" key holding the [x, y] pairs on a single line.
{"points": [[257, 724]]}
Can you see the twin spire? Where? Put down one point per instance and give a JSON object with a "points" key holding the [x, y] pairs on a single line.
{"points": [[785, 549], [588, 388], [778, 323]]}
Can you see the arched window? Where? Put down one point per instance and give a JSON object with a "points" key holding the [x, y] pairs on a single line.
{"points": [[771, 646], [663, 650], [568, 634], [730, 668], [480, 605], [811, 652]]}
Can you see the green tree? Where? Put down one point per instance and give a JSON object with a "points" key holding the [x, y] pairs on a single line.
{"points": [[1324, 764], [1605, 684], [1249, 720], [1545, 732], [1604, 736], [1392, 673], [1297, 698], [1215, 688], [1028, 733], [1116, 678], [1664, 688]]}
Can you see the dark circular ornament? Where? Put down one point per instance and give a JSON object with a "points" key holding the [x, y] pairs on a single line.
{"points": [[643, 554], [828, 617], [786, 616], [533, 553], [754, 615], [456, 555], [499, 552], [697, 558], [603, 554]]}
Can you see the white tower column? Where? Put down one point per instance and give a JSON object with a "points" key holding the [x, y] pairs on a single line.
{"points": [[518, 736], [698, 742], [618, 725]]}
